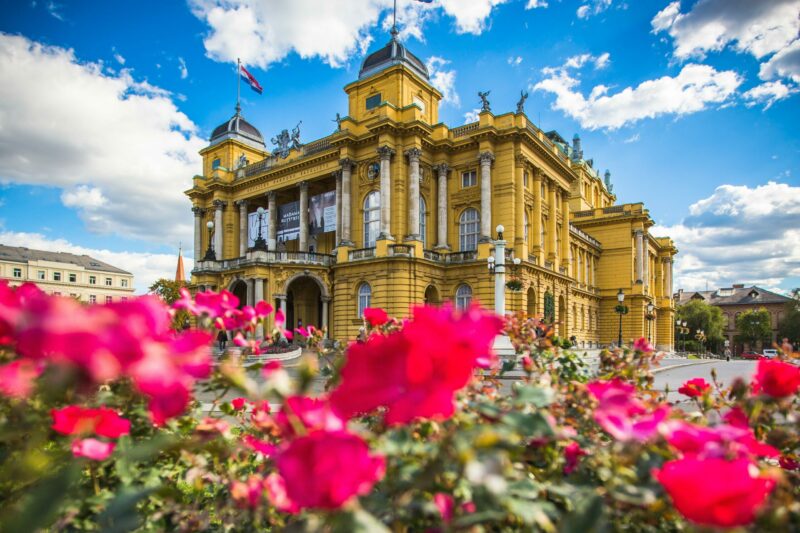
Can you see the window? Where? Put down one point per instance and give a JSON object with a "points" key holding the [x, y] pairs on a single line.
{"points": [[92, 280], [525, 178], [373, 101], [92, 299], [17, 272], [542, 233], [40, 275], [364, 298], [73, 278], [469, 178], [109, 299], [422, 226], [468, 230], [73, 295], [124, 282], [56, 276], [463, 296], [525, 224], [372, 218], [216, 164], [56, 294], [109, 282], [420, 102], [124, 299]]}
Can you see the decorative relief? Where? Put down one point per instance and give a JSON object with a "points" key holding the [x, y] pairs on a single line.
{"points": [[369, 171]]}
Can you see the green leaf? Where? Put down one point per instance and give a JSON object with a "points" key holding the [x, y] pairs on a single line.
{"points": [[588, 516], [472, 519], [525, 489], [528, 424], [359, 521], [532, 395], [533, 513], [43, 502], [121, 514]]}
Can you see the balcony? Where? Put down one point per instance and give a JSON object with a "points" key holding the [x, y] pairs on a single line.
{"points": [[361, 254], [461, 257], [400, 250], [266, 258]]}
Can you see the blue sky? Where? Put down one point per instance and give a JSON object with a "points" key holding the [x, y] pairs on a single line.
{"points": [[692, 105]]}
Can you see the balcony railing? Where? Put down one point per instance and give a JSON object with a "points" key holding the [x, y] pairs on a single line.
{"points": [[361, 253], [267, 257], [430, 255], [401, 250], [465, 129], [548, 265], [461, 257]]}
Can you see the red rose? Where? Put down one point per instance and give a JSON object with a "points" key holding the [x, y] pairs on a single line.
{"points": [[776, 378], [572, 454], [716, 492], [695, 388], [76, 420], [375, 316]]}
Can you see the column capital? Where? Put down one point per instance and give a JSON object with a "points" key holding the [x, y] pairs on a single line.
{"points": [[520, 160], [271, 195], [442, 169], [337, 174], [198, 211], [346, 162], [638, 232], [413, 154], [386, 152], [241, 203], [303, 186], [486, 158], [220, 204], [537, 173]]}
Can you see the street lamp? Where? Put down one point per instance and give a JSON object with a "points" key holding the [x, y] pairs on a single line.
{"points": [[685, 332], [621, 310], [210, 255], [260, 244], [650, 315]]}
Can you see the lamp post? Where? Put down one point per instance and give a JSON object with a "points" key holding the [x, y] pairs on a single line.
{"points": [[621, 309], [210, 255], [497, 267], [685, 332], [650, 315], [260, 243]]}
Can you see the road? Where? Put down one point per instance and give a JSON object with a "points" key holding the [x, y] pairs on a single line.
{"points": [[726, 371]]}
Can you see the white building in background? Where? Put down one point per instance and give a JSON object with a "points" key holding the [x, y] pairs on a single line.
{"points": [[77, 276]]}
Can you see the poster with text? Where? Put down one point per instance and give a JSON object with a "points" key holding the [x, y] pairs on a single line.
{"points": [[288, 221]]}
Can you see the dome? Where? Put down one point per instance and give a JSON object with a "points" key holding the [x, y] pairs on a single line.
{"points": [[393, 53], [241, 130]]}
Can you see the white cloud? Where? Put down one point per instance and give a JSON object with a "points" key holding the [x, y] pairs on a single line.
{"points": [[472, 116], [145, 267], [182, 68], [119, 148], [55, 10], [759, 27], [514, 61], [692, 90], [739, 234], [533, 4], [784, 64], [632, 139], [443, 79], [768, 93], [119, 59], [471, 16], [593, 7]]}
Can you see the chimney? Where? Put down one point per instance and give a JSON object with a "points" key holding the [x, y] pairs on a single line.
{"points": [[577, 151]]}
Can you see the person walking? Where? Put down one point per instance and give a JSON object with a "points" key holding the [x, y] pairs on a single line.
{"points": [[222, 339]]}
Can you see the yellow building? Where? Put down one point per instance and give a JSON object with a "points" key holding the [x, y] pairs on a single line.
{"points": [[396, 208]]}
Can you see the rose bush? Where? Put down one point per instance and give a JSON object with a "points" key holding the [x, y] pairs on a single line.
{"points": [[414, 427]]}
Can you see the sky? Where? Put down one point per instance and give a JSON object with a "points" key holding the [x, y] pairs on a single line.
{"points": [[692, 105]]}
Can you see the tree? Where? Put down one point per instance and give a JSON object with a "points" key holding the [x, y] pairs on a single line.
{"points": [[754, 325], [169, 292], [700, 315], [789, 328]]}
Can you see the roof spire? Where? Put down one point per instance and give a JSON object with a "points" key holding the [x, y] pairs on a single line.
{"points": [[180, 271], [394, 31]]}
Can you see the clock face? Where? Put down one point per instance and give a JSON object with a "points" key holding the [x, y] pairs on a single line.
{"points": [[252, 227]]}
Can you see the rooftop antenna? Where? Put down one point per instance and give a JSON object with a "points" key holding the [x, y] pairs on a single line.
{"points": [[394, 21], [238, 85]]}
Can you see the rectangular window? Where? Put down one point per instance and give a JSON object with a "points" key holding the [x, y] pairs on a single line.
{"points": [[40, 275], [469, 178], [73, 278], [124, 298], [92, 280], [56, 276], [525, 178], [17, 272], [109, 282], [92, 299], [56, 294], [108, 299], [373, 101], [215, 163], [124, 282]]}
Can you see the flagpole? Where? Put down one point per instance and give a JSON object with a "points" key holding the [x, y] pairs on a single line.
{"points": [[238, 84], [394, 21]]}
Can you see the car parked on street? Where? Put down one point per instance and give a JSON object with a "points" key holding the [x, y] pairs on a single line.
{"points": [[770, 354], [751, 355]]}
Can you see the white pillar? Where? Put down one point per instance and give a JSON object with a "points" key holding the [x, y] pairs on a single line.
{"points": [[303, 216], [500, 277], [272, 230], [250, 291], [219, 229], [347, 169], [413, 193], [198, 233], [338, 178], [441, 219], [325, 303], [259, 296], [638, 243], [282, 298], [669, 278], [242, 227], [385, 154], [486, 159]]}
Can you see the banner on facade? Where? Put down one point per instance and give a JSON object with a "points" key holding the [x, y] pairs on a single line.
{"points": [[288, 221], [252, 225], [322, 213]]}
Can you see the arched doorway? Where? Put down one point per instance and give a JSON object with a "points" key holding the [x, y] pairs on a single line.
{"points": [[432, 296], [562, 317], [239, 289], [531, 302], [303, 303]]}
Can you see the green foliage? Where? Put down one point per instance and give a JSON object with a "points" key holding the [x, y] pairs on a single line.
{"points": [[549, 307], [754, 325], [700, 315], [169, 292], [789, 328]]}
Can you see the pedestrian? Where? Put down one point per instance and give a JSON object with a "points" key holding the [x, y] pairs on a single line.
{"points": [[222, 339]]}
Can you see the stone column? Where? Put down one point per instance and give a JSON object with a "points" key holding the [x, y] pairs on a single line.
{"points": [[386, 154], [250, 292], [242, 227], [639, 257], [259, 296], [338, 236], [303, 216], [486, 159], [346, 216], [669, 278], [441, 216], [272, 230], [219, 228], [413, 194], [198, 233], [520, 245], [538, 245], [325, 303], [565, 261], [551, 222], [282, 301]]}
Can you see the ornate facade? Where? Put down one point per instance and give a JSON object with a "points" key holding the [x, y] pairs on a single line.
{"points": [[416, 204]]}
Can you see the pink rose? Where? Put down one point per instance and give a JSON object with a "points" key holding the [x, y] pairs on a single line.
{"points": [[622, 414], [776, 378], [375, 317], [17, 378], [572, 455], [643, 345], [93, 449], [444, 504]]}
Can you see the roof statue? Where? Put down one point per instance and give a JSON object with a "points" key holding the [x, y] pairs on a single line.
{"points": [[521, 104], [285, 143], [607, 180], [338, 121], [484, 101]]}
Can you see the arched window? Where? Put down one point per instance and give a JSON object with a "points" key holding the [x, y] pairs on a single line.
{"points": [[468, 229], [422, 226], [463, 296], [372, 218], [364, 298]]}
